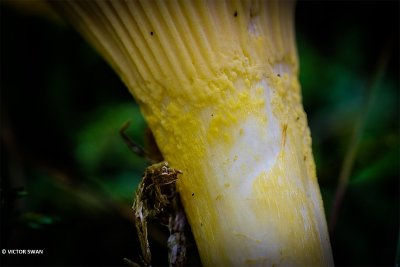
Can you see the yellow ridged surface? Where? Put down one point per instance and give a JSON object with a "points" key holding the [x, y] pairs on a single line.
{"points": [[217, 83]]}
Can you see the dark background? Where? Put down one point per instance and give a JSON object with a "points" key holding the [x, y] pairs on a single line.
{"points": [[67, 178]]}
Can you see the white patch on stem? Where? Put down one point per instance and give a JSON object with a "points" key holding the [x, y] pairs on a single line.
{"points": [[255, 149]]}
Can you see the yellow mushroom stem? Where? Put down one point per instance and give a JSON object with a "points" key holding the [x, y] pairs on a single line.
{"points": [[217, 82]]}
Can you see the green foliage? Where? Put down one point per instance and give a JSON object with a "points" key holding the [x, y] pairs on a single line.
{"points": [[37, 220], [68, 178], [99, 146], [352, 102]]}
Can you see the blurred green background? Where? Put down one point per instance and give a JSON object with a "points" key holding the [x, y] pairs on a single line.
{"points": [[67, 178]]}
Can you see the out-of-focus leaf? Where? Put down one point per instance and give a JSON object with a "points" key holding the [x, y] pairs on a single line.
{"points": [[383, 108], [121, 186], [99, 145], [377, 169], [37, 220]]}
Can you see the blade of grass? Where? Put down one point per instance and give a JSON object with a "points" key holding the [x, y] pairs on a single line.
{"points": [[355, 139]]}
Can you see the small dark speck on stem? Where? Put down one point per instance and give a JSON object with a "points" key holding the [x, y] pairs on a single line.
{"points": [[201, 224], [278, 75], [235, 14], [151, 33], [192, 194], [297, 118]]}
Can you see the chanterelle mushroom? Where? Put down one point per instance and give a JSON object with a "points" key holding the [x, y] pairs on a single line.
{"points": [[217, 82]]}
